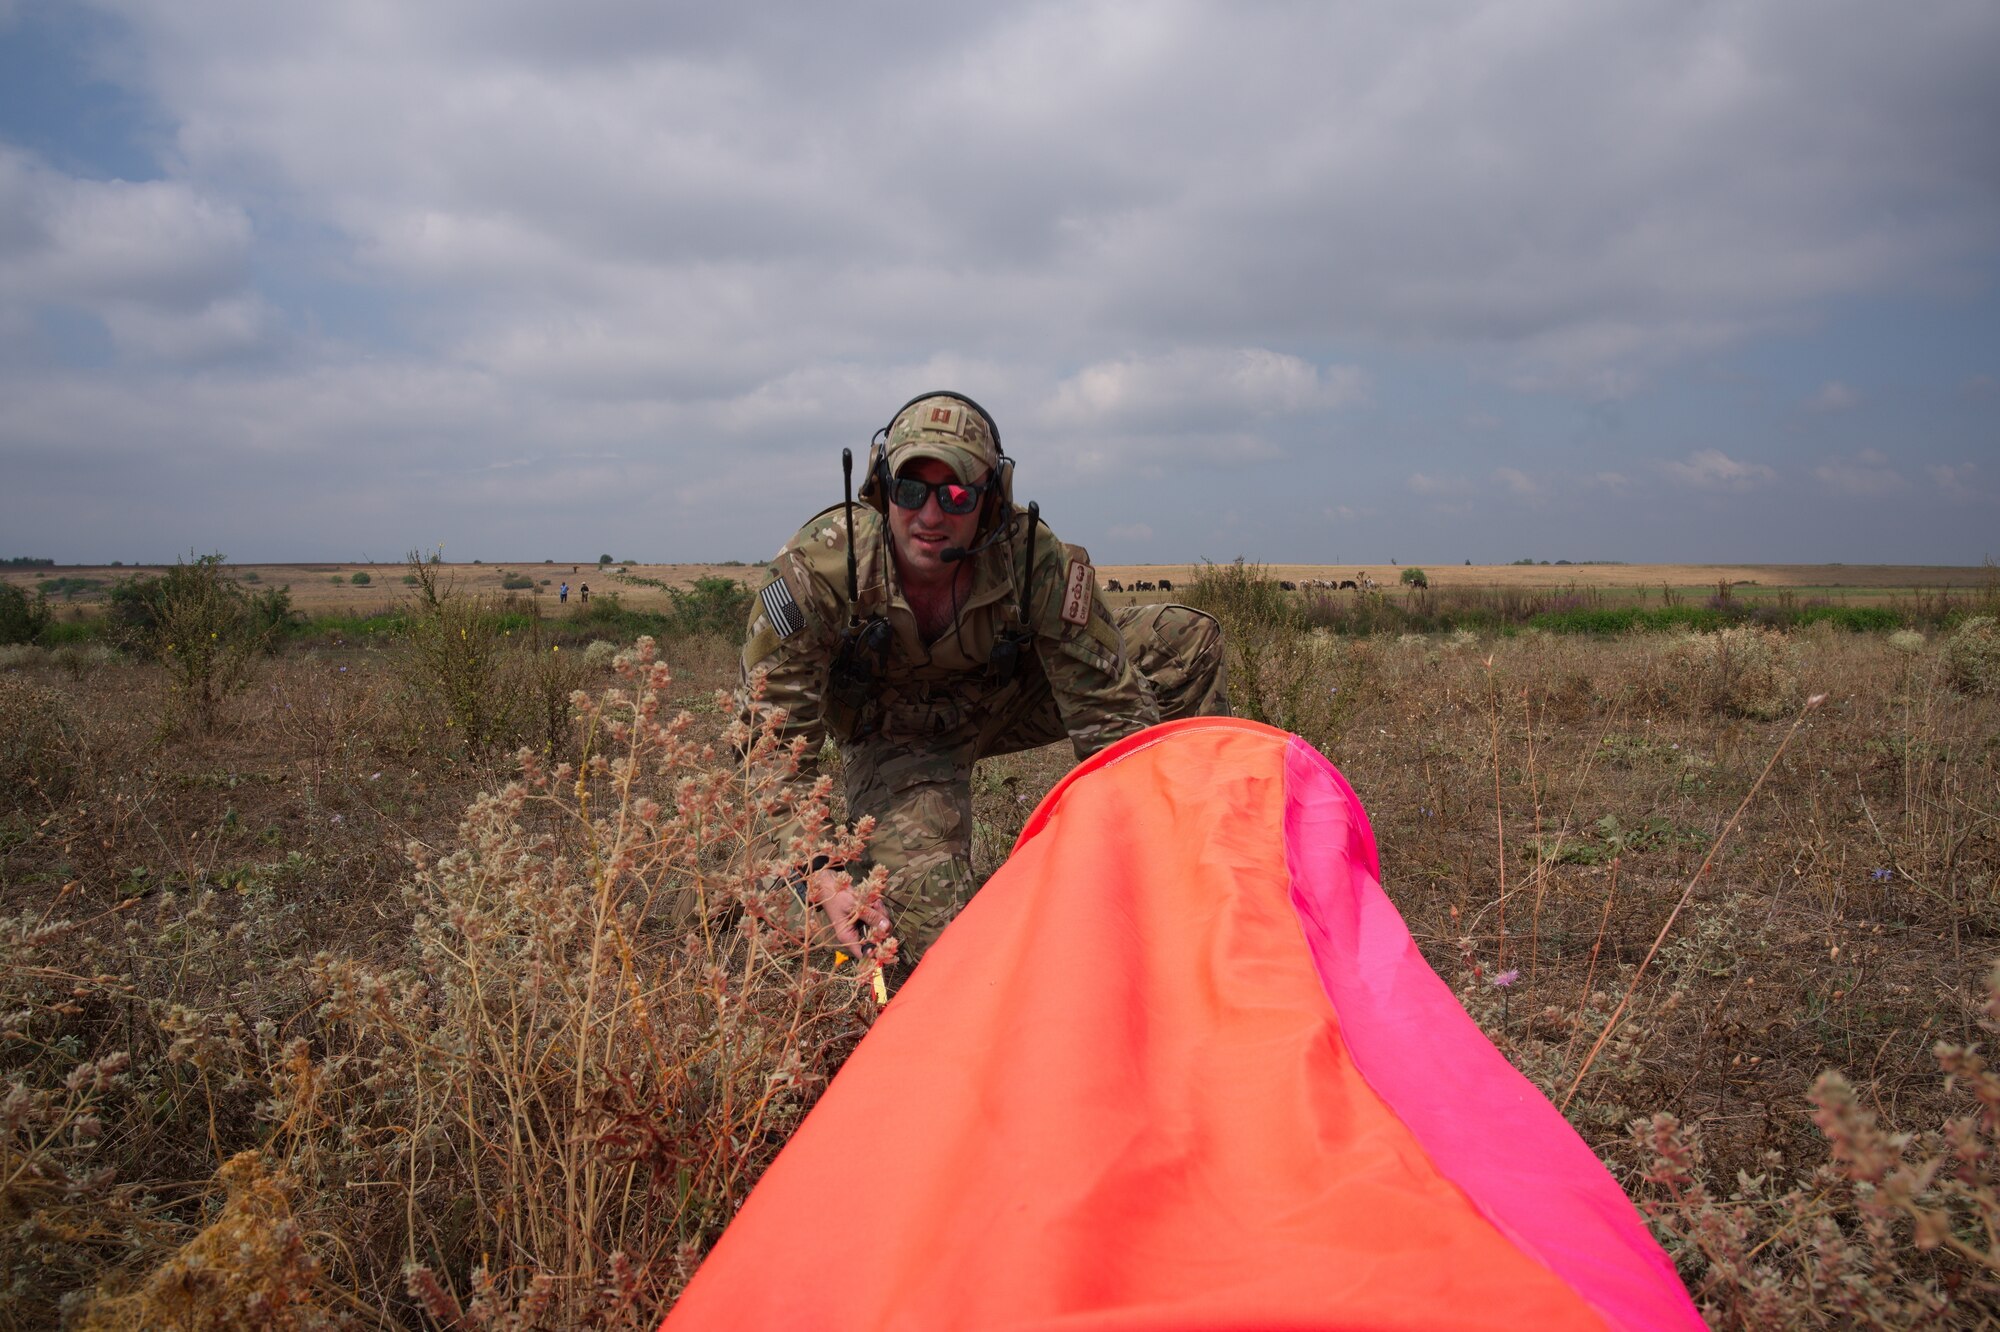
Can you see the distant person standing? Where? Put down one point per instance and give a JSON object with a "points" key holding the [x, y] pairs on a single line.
{"points": [[562, 594], [583, 591]]}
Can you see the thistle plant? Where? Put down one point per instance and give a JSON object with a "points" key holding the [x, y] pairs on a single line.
{"points": [[610, 1017]]}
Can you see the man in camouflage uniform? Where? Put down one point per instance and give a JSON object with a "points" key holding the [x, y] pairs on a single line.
{"points": [[951, 650]]}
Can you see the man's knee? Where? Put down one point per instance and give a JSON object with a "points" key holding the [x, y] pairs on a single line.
{"points": [[924, 898], [1180, 652], [923, 838]]}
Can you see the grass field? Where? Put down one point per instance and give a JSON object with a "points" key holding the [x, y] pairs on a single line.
{"points": [[333, 1012], [315, 591]]}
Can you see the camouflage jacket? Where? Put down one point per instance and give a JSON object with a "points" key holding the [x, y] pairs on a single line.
{"points": [[919, 691]]}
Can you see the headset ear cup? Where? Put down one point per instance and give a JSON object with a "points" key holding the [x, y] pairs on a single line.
{"points": [[878, 477]]}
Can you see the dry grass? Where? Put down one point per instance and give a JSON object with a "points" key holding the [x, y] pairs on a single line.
{"points": [[510, 1059], [1769, 577], [314, 591]]}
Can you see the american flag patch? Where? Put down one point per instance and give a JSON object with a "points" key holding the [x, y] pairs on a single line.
{"points": [[783, 612]]}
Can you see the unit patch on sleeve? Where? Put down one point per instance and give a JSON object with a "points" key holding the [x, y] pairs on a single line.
{"points": [[1077, 593], [784, 612]]}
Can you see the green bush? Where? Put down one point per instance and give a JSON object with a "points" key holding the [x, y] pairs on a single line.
{"points": [[22, 620], [1415, 577], [69, 589], [711, 606], [337, 578], [1855, 619], [361, 579], [514, 582]]}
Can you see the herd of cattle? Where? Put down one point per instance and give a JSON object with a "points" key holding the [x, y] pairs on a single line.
{"points": [[1166, 585]]}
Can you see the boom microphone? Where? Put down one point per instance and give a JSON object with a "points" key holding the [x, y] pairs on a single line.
{"points": [[953, 554]]}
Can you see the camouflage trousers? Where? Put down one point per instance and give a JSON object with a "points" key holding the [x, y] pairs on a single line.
{"points": [[919, 785]]}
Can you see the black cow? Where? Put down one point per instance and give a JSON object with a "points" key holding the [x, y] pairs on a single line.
{"points": [[1114, 586], [1347, 585], [1166, 585], [1284, 586]]}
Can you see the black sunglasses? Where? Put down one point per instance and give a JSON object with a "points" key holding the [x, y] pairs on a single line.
{"points": [[954, 497]]}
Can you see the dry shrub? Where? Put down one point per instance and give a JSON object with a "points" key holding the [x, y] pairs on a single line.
{"points": [[248, 1270], [1280, 669], [1744, 671], [453, 659], [39, 742], [544, 677], [1895, 1230], [1972, 655], [609, 1019], [66, 1216]]}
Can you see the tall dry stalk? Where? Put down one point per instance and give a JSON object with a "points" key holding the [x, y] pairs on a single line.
{"points": [[1611, 1023]]}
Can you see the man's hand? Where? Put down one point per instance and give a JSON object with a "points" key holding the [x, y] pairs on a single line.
{"points": [[833, 892]]}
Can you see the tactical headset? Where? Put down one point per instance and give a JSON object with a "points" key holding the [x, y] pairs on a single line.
{"points": [[875, 486], [865, 645]]}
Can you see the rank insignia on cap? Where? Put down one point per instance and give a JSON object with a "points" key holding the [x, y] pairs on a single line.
{"points": [[1077, 593], [945, 418], [784, 612]]}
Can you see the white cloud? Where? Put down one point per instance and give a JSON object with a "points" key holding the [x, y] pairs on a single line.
{"points": [[1866, 474], [1956, 480], [1204, 385], [162, 266], [1424, 483], [1712, 469], [1132, 532], [1834, 396], [1516, 482]]}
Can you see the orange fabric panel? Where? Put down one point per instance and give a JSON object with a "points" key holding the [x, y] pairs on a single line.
{"points": [[1114, 1096]]}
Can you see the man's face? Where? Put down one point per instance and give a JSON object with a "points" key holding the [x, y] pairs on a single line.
{"points": [[921, 536]]}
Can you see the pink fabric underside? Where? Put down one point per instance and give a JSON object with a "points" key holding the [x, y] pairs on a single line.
{"points": [[1500, 1140]]}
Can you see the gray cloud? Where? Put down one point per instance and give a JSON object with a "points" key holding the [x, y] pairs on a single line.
{"points": [[1712, 469], [629, 246], [1866, 474]]}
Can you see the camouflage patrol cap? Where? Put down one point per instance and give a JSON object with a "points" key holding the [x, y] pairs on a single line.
{"points": [[947, 428]]}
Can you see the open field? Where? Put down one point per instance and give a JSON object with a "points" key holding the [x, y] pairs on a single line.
{"points": [[329, 589], [292, 1009]]}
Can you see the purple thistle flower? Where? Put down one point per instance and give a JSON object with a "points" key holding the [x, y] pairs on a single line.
{"points": [[1506, 978], [1881, 875]]}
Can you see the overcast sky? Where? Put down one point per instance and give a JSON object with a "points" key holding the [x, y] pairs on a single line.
{"points": [[1302, 282]]}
